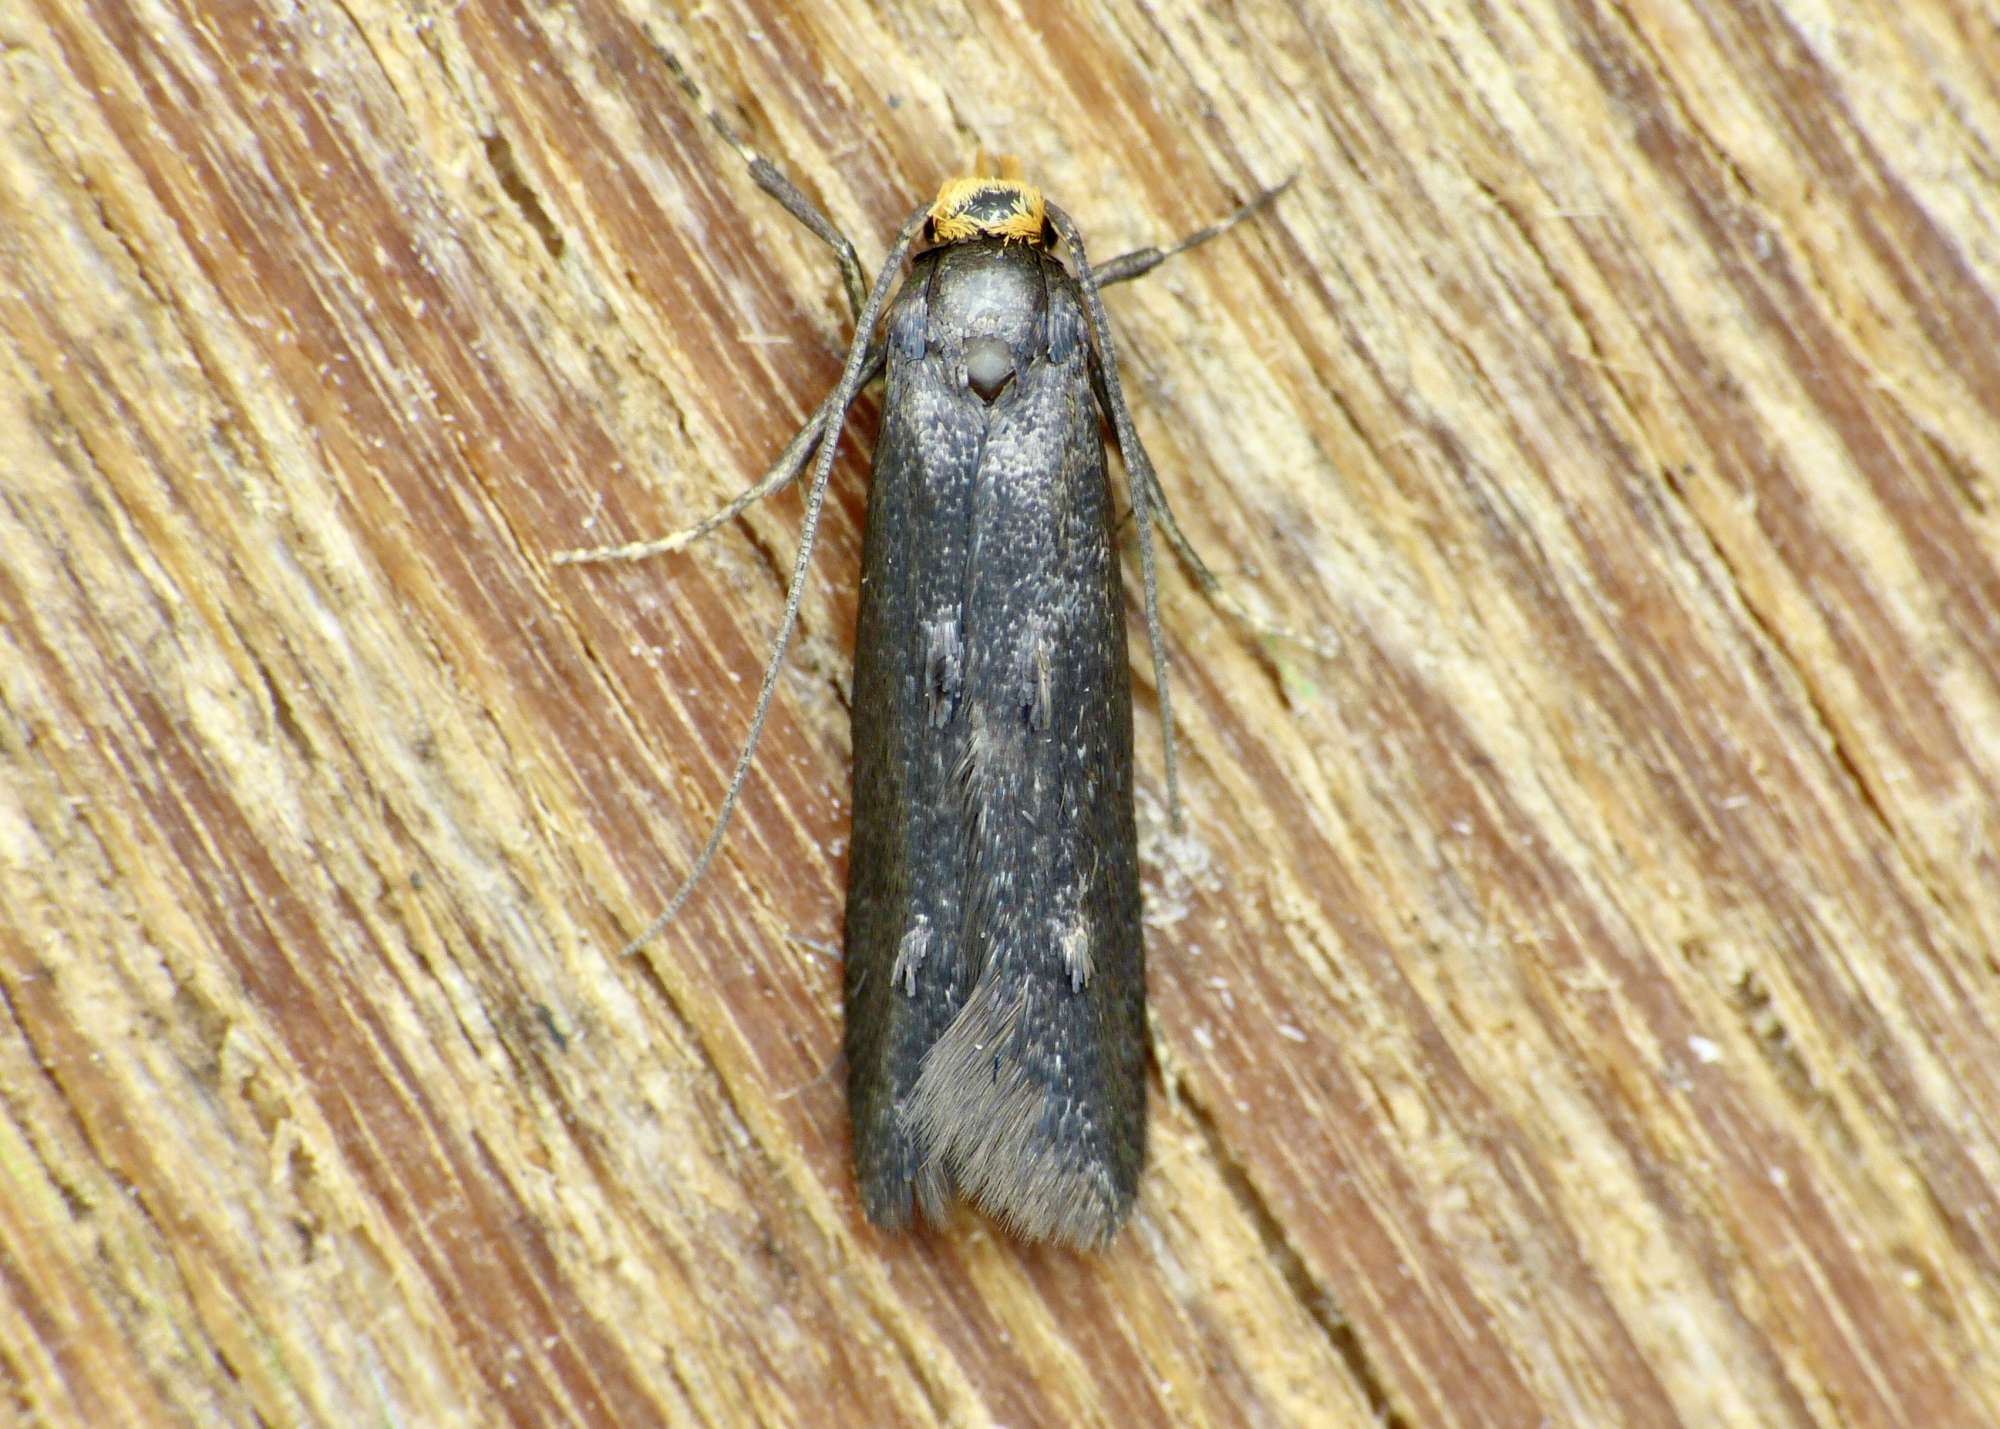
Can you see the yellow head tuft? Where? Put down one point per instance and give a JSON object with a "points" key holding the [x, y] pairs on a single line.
{"points": [[983, 206]]}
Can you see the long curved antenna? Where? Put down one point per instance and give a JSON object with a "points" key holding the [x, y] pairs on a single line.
{"points": [[843, 395], [1139, 486]]}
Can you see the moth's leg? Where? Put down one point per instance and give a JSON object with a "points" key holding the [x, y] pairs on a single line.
{"points": [[1139, 467], [773, 182], [798, 451], [1127, 266]]}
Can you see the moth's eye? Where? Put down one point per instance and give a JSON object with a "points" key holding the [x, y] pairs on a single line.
{"points": [[989, 366]]}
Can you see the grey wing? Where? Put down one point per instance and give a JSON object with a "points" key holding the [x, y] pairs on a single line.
{"points": [[1031, 1102], [906, 971], [995, 973]]}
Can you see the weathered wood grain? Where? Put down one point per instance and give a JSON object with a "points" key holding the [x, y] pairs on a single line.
{"points": [[1577, 1000]]}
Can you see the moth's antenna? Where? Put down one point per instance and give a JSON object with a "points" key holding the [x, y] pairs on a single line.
{"points": [[1139, 480], [843, 395]]}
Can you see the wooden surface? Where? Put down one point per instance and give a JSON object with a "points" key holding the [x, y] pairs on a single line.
{"points": [[1577, 1000]]}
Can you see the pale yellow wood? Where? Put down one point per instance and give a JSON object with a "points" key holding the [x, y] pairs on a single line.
{"points": [[1578, 997]]}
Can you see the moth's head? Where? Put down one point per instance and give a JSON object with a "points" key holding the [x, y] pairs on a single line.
{"points": [[986, 205]]}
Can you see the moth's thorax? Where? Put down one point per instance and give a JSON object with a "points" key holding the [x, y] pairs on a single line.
{"points": [[986, 306], [987, 289]]}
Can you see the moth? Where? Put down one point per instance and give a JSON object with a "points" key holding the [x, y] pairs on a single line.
{"points": [[994, 962]]}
